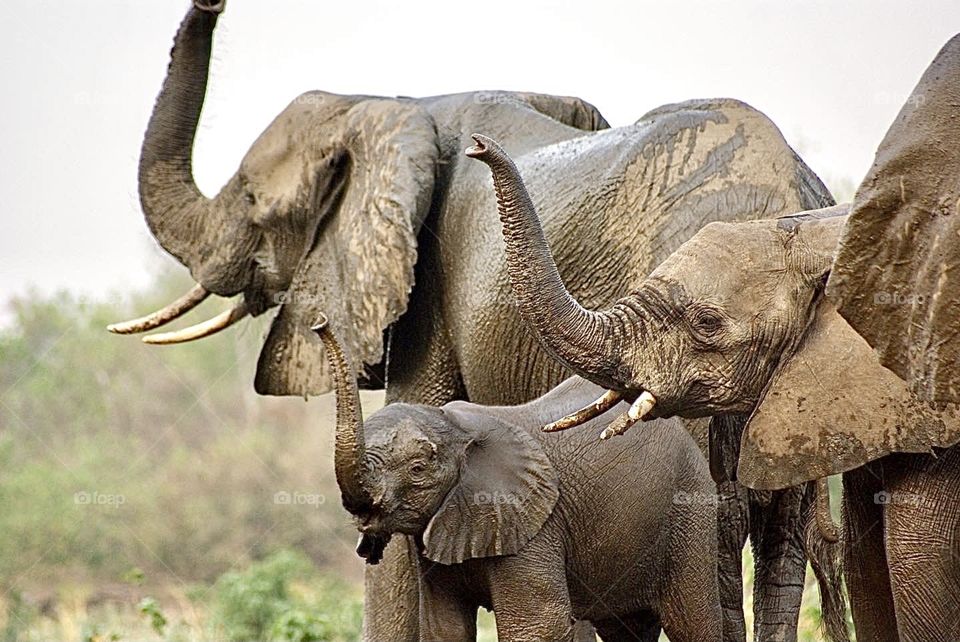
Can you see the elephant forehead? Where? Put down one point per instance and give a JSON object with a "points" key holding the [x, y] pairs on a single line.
{"points": [[306, 122], [397, 435], [726, 262]]}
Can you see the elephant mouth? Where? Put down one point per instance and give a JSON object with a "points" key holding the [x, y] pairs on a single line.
{"points": [[371, 547]]}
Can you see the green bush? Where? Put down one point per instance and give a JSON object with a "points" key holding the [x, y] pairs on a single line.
{"points": [[283, 599]]}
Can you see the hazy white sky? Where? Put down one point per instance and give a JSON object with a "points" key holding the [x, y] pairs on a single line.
{"points": [[79, 78]]}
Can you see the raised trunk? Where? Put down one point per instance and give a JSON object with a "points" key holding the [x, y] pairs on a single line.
{"points": [[583, 340], [173, 205], [350, 452]]}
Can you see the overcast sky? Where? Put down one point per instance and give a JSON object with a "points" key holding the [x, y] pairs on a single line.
{"points": [[79, 78]]}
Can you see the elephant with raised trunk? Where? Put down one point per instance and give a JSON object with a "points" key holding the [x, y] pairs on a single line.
{"points": [[539, 528], [364, 208], [735, 323]]}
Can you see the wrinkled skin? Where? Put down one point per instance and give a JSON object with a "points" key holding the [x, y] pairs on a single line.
{"points": [[600, 346], [896, 278], [541, 528], [735, 322], [364, 209]]}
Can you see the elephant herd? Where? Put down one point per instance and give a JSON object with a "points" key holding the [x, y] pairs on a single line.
{"points": [[663, 346]]}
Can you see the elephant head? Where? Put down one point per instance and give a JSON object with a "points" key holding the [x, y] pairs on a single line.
{"points": [[469, 484], [734, 321], [897, 274], [322, 214]]}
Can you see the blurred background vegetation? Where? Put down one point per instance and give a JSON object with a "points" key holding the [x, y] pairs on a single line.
{"points": [[149, 494]]}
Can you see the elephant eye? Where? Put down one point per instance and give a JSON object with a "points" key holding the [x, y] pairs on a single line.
{"points": [[250, 198], [417, 468], [708, 322]]}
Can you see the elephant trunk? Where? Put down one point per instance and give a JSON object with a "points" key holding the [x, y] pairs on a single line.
{"points": [[582, 340], [175, 209], [350, 452]]}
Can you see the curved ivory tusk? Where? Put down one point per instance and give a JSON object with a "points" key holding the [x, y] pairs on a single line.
{"points": [[638, 409], [164, 315], [608, 400], [201, 330], [825, 524]]}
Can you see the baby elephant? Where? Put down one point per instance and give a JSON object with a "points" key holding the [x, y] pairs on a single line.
{"points": [[541, 528]]}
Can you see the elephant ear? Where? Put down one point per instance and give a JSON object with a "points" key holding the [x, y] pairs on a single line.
{"points": [[360, 270], [506, 491], [897, 274], [831, 407]]}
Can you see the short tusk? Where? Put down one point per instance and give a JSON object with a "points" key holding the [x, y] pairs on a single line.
{"points": [[638, 410], [165, 315], [825, 524], [608, 400], [201, 330]]}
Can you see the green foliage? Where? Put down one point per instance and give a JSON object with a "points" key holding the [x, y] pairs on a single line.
{"points": [[260, 603], [149, 607], [116, 454]]}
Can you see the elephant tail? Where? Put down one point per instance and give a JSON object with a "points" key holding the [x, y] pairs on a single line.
{"points": [[826, 560]]}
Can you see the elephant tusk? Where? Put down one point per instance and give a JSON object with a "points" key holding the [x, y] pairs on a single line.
{"points": [[164, 315], [608, 400], [825, 524], [638, 410], [201, 330]]}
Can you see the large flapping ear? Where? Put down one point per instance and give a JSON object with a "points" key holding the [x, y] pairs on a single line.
{"points": [[897, 273], [831, 407], [506, 492], [360, 271]]}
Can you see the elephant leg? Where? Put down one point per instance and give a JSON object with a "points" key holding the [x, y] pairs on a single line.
{"points": [[780, 563], [391, 603], [444, 612], [530, 597], [733, 521], [733, 525], [922, 520], [865, 557], [640, 627]]}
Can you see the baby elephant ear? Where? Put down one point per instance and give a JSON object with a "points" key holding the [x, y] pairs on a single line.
{"points": [[506, 492], [831, 407]]}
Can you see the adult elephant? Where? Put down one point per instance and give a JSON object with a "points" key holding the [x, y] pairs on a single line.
{"points": [[897, 273], [364, 209], [735, 323]]}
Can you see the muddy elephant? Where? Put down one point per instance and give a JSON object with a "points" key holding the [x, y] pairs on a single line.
{"points": [[542, 529], [364, 208], [896, 278], [735, 323]]}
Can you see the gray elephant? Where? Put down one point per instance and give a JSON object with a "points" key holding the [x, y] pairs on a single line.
{"points": [[540, 528], [896, 278], [735, 323], [364, 208]]}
